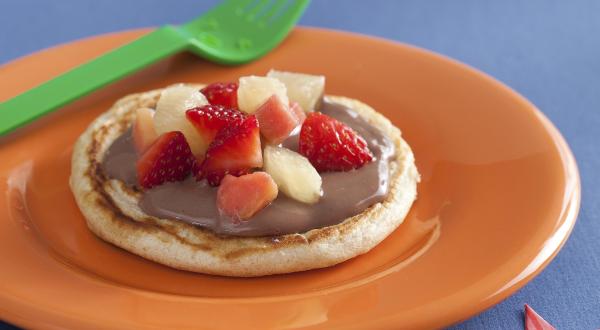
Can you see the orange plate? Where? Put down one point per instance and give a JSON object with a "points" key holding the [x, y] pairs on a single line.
{"points": [[499, 196]]}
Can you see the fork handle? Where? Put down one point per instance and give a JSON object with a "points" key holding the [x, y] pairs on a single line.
{"points": [[89, 76]]}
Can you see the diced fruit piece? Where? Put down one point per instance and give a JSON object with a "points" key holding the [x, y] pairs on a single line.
{"points": [[143, 133], [224, 94], [303, 88], [170, 114], [533, 321], [298, 111], [293, 173], [169, 158], [330, 145], [276, 120], [235, 150], [209, 119], [241, 197], [253, 91]]}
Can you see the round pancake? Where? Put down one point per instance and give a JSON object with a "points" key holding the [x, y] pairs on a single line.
{"points": [[112, 212]]}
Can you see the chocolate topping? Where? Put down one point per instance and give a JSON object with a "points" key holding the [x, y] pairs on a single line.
{"points": [[344, 193]]}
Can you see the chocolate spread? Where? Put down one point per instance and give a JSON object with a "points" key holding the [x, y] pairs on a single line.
{"points": [[344, 193]]}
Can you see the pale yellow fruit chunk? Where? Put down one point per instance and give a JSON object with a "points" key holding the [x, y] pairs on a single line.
{"points": [[253, 91], [294, 174], [170, 114], [303, 88]]}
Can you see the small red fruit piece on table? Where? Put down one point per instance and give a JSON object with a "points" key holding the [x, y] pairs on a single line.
{"points": [[169, 158], [235, 150], [241, 197], [298, 111], [533, 321], [224, 94], [276, 120], [210, 119], [330, 145], [143, 132]]}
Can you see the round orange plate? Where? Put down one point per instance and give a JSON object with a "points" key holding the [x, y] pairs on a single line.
{"points": [[499, 195]]}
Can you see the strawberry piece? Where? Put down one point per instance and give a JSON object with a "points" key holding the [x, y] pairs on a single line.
{"points": [[169, 158], [298, 111], [276, 120], [209, 119], [241, 197], [533, 321], [331, 145], [143, 132], [235, 150], [224, 94]]}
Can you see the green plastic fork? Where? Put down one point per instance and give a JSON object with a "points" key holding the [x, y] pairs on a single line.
{"points": [[234, 32]]}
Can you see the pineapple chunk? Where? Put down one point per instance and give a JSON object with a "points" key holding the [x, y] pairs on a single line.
{"points": [[294, 174], [305, 89], [143, 131], [170, 115], [253, 91]]}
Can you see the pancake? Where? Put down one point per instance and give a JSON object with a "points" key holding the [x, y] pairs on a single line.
{"points": [[112, 211]]}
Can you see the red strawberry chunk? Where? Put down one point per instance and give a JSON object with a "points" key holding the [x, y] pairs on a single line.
{"points": [[169, 158], [235, 150], [298, 111], [533, 321], [241, 197], [330, 145], [224, 94], [276, 120], [209, 119]]}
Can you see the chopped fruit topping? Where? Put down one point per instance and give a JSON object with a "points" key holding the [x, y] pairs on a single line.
{"points": [[209, 119], [144, 133], [276, 120], [305, 89], [167, 159], [241, 197], [235, 150], [331, 145], [170, 114], [254, 91], [293, 173], [533, 321], [224, 94], [298, 111]]}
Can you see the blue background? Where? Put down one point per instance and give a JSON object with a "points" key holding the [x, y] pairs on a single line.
{"points": [[549, 51]]}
